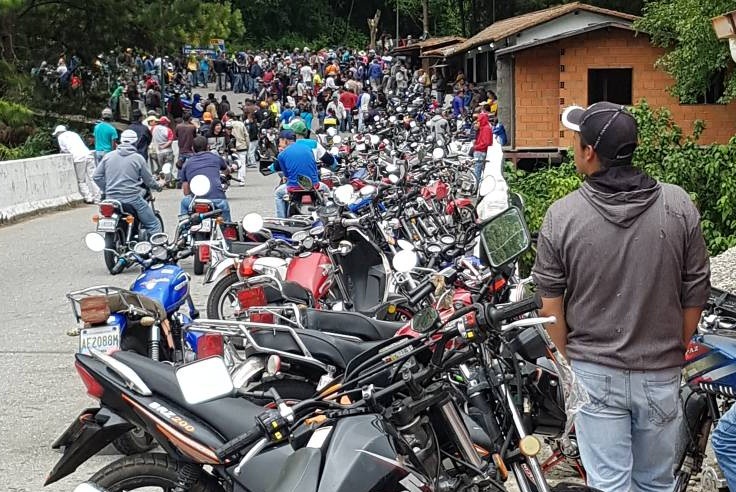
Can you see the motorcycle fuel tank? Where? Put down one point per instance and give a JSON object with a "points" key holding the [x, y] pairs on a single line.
{"points": [[710, 362], [311, 271], [168, 284]]}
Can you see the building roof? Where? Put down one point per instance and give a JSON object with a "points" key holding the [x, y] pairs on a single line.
{"points": [[569, 34], [431, 43], [513, 25]]}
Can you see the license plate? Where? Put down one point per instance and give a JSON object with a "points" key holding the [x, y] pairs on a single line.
{"points": [[107, 225], [102, 338], [205, 226]]}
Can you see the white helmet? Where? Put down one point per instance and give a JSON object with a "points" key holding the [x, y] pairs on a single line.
{"points": [[58, 130]]}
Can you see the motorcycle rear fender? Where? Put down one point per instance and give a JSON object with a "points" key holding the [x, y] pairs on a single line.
{"points": [[94, 429], [222, 269]]}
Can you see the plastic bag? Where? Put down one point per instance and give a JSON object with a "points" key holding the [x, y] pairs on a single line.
{"points": [[573, 390]]}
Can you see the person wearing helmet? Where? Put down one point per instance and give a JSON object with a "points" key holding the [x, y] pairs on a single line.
{"points": [[204, 128], [123, 175], [84, 161], [105, 135]]}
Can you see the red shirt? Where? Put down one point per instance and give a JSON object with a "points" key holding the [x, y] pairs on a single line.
{"points": [[349, 100]]}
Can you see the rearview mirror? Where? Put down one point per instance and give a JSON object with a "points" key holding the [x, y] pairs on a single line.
{"points": [[299, 236], [94, 242], [253, 222], [343, 194], [438, 154], [404, 261], [331, 131], [199, 185], [393, 178], [337, 139], [166, 169], [367, 190], [505, 237], [204, 380]]}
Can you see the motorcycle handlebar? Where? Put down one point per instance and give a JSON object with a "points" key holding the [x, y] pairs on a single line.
{"points": [[350, 222], [495, 315], [196, 219], [239, 443], [119, 266], [416, 295], [258, 249]]}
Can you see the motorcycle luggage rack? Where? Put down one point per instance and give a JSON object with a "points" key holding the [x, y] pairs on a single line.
{"points": [[243, 329], [94, 305], [286, 315]]}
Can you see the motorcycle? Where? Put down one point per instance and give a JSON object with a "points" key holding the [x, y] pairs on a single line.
{"points": [[119, 224], [396, 405]]}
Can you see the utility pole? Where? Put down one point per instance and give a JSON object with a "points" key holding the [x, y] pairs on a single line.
{"points": [[397, 23]]}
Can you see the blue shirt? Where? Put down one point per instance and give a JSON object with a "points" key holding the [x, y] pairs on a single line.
{"points": [[105, 135], [375, 71], [297, 160], [287, 115], [209, 165]]}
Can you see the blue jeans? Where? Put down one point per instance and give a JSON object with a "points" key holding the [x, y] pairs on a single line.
{"points": [[219, 203], [724, 446], [626, 434], [480, 163], [282, 206], [237, 83], [145, 214]]}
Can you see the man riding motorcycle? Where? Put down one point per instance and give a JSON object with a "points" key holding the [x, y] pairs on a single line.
{"points": [[120, 176], [209, 165], [297, 158]]}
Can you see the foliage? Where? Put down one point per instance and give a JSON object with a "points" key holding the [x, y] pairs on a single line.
{"points": [[708, 173], [13, 114], [40, 143], [695, 57]]}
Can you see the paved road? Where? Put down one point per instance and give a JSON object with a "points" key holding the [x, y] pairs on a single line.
{"points": [[40, 261]]}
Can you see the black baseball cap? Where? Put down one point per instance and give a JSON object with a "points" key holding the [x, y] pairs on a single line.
{"points": [[609, 128]]}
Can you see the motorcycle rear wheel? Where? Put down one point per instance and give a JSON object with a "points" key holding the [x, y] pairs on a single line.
{"points": [[198, 263], [148, 470], [114, 241], [136, 441], [221, 296]]}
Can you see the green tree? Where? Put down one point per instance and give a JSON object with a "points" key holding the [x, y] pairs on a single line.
{"points": [[695, 57]]}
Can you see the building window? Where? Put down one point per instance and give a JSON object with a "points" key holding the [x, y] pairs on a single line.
{"points": [[609, 84], [715, 89], [492, 68], [481, 61], [470, 69]]}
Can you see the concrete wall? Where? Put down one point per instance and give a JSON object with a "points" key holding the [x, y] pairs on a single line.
{"points": [[29, 186]]}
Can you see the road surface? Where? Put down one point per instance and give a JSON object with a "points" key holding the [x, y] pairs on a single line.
{"points": [[40, 261]]}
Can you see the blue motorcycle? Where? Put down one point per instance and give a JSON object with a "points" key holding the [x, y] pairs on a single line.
{"points": [[147, 318]]}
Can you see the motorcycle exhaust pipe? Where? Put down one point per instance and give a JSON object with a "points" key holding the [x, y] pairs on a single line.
{"points": [[461, 434]]}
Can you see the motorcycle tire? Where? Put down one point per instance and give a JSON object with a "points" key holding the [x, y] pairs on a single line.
{"points": [[198, 264], [113, 242], [221, 292], [148, 470], [160, 219], [136, 441]]}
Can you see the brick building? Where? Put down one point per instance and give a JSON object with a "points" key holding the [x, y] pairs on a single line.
{"points": [[540, 62]]}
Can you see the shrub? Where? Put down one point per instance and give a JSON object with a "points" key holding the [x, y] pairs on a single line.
{"points": [[707, 173]]}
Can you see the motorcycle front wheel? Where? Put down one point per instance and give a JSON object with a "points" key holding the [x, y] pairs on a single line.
{"points": [[146, 471], [223, 300]]}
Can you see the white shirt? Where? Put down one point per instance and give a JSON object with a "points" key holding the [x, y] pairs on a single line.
{"points": [[306, 72], [365, 100], [71, 143]]}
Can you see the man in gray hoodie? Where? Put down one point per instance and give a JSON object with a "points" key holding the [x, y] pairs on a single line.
{"points": [[120, 176], [622, 264]]}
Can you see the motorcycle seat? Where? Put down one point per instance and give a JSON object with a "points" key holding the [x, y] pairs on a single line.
{"points": [[325, 348], [292, 291], [241, 247], [229, 416], [286, 229], [349, 323]]}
